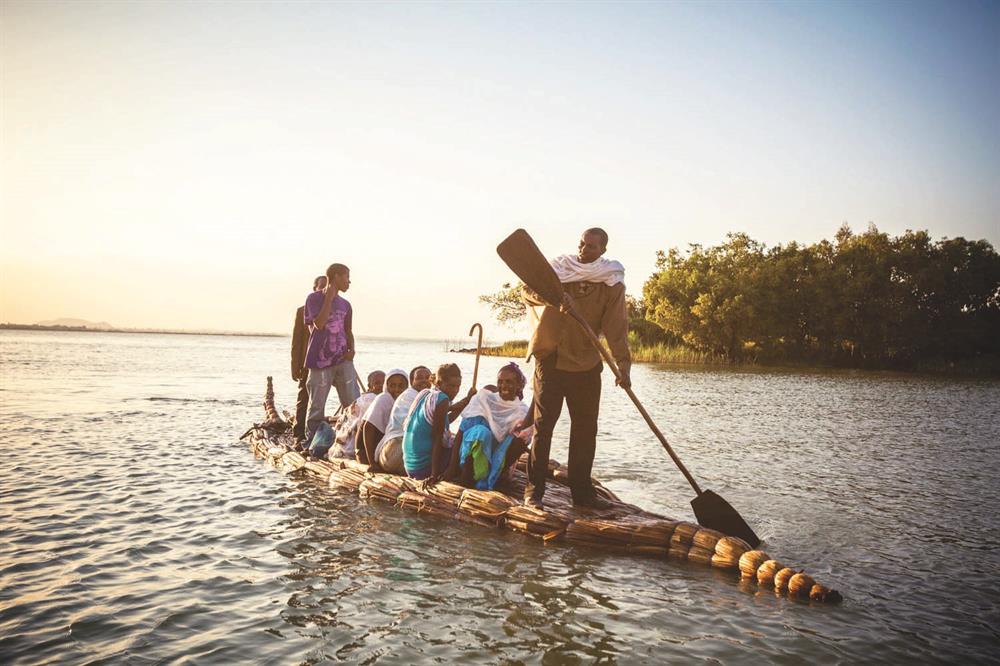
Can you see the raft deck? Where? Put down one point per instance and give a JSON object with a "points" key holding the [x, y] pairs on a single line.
{"points": [[619, 527]]}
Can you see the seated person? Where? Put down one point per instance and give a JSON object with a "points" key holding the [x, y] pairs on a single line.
{"points": [[426, 438], [389, 452], [491, 436], [346, 419], [375, 420]]}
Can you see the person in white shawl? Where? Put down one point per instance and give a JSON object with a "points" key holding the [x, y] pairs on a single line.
{"points": [[492, 432], [389, 452], [375, 420]]}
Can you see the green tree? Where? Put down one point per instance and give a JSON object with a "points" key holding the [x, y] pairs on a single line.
{"points": [[507, 304]]}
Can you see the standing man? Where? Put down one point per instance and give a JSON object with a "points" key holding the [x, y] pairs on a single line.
{"points": [[300, 336], [330, 353], [567, 367]]}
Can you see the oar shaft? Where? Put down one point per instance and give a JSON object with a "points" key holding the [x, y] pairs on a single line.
{"points": [[628, 390]]}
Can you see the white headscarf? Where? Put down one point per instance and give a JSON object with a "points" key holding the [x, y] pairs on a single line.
{"points": [[571, 269], [380, 409], [499, 413]]}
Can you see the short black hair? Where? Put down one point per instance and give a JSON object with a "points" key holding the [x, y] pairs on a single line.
{"points": [[413, 373], [317, 280], [447, 371], [334, 269], [599, 232]]}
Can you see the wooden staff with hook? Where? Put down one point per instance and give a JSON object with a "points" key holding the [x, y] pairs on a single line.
{"points": [[479, 350]]}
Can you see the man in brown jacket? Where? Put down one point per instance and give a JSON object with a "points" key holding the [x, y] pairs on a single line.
{"points": [[567, 367], [300, 339]]}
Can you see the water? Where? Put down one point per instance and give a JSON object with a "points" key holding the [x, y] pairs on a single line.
{"points": [[134, 527]]}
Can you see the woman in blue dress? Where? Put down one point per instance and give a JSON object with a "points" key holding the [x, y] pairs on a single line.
{"points": [[493, 432]]}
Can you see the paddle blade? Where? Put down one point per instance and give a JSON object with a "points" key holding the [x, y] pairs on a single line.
{"points": [[718, 514], [523, 257]]}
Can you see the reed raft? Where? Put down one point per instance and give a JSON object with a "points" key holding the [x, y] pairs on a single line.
{"points": [[620, 527]]}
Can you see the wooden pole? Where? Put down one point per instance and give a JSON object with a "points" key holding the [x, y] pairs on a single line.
{"points": [[479, 350]]}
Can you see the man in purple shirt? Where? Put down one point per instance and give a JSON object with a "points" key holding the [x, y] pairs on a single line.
{"points": [[330, 353]]}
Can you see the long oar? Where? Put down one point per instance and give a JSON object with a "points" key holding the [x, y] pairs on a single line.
{"points": [[479, 350], [523, 257]]}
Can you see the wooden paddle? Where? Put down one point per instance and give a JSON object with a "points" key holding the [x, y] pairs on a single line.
{"points": [[479, 350], [523, 257]]}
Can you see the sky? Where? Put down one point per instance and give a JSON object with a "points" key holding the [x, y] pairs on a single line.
{"points": [[195, 165]]}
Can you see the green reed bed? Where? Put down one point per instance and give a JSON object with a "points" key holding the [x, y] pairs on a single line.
{"points": [[641, 353]]}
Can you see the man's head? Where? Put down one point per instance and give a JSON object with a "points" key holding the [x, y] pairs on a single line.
{"points": [[339, 276], [420, 377], [593, 244], [319, 283], [376, 380]]}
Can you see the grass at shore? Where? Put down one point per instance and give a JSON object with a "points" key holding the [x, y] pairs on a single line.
{"points": [[658, 353], [510, 349]]}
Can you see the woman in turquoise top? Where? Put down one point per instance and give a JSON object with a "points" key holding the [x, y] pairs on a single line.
{"points": [[425, 433]]}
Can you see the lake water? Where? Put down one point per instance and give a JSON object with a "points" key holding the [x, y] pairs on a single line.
{"points": [[134, 527]]}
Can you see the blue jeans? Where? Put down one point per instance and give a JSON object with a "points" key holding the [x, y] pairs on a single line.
{"points": [[318, 385]]}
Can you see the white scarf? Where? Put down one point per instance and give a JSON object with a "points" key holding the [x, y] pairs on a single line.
{"points": [[379, 410], [499, 413], [571, 269]]}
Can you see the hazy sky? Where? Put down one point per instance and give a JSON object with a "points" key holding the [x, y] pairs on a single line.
{"points": [[194, 165]]}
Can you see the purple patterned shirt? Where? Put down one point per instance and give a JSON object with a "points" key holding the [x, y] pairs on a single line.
{"points": [[327, 345]]}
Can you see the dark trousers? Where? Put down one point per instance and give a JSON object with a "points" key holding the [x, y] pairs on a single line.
{"points": [[582, 393], [301, 408]]}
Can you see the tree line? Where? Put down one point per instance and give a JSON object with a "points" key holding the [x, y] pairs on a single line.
{"points": [[862, 300]]}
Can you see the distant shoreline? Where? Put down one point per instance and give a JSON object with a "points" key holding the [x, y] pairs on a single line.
{"points": [[159, 331]]}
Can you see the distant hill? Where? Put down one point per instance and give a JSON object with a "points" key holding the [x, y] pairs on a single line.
{"points": [[79, 323], [84, 326]]}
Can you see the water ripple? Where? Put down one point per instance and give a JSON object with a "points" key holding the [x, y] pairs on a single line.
{"points": [[135, 529]]}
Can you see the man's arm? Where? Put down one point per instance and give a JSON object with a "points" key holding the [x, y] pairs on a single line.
{"points": [[349, 334], [319, 321], [298, 345], [614, 325]]}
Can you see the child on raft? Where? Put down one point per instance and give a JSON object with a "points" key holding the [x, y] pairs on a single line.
{"points": [[493, 433], [426, 438], [375, 420]]}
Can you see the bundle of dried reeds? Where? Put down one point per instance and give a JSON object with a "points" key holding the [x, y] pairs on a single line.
{"points": [[750, 562], [706, 538], [683, 534], [320, 469], [387, 487], [728, 551], [424, 503], [538, 523], [346, 478], [781, 579], [409, 499], [700, 555], [445, 490], [291, 461], [485, 504], [644, 538]]}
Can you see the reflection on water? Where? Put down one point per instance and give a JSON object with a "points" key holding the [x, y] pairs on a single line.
{"points": [[135, 527]]}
